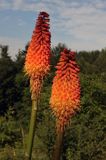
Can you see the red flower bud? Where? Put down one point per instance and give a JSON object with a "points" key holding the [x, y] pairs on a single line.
{"points": [[37, 62]]}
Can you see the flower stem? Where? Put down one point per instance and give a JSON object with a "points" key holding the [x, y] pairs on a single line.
{"points": [[58, 145], [32, 129]]}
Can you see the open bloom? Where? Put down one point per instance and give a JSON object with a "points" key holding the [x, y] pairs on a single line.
{"points": [[37, 62], [65, 96]]}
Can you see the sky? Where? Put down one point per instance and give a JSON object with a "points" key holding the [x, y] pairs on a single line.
{"points": [[80, 24]]}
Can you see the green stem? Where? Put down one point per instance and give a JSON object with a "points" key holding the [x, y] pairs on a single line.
{"points": [[58, 145], [32, 130]]}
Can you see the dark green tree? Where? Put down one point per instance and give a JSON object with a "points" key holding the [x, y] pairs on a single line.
{"points": [[7, 86]]}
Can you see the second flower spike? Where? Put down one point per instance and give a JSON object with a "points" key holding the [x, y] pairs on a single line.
{"points": [[65, 96]]}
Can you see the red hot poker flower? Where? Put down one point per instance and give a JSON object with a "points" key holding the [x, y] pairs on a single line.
{"points": [[65, 96], [37, 63]]}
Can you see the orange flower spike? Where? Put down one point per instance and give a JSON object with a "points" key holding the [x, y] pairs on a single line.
{"points": [[65, 96], [37, 63]]}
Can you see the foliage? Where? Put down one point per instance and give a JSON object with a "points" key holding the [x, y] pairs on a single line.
{"points": [[85, 137]]}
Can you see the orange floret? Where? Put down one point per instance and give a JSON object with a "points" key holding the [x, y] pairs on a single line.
{"points": [[37, 62], [65, 96]]}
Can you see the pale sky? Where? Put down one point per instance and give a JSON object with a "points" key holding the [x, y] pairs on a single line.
{"points": [[80, 24]]}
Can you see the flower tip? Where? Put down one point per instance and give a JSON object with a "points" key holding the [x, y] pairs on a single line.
{"points": [[72, 53], [43, 13], [65, 50]]}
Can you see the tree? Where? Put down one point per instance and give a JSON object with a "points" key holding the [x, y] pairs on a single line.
{"points": [[7, 73]]}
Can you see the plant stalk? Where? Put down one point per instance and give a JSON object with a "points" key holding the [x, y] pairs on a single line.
{"points": [[58, 146], [32, 129]]}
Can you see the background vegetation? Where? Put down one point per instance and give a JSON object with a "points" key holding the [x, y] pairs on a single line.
{"points": [[84, 137]]}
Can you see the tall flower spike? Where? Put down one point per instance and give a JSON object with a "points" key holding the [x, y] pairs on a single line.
{"points": [[65, 96], [37, 63]]}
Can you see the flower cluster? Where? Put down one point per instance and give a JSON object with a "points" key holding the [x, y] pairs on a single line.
{"points": [[37, 62], [65, 96]]}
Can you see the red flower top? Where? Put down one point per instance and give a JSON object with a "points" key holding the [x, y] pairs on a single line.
{"points": [[65, 96], [37, 62]]}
